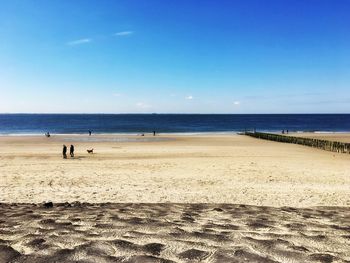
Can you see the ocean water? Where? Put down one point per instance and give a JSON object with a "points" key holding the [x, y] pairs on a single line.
{"points": [[170, 123]]}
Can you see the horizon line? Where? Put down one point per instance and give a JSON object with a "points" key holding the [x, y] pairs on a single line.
{"points": [[164, 113]]}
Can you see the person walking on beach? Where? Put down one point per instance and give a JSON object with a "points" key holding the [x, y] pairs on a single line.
{"points": [[64, 152], [89, 133], [71, 150], [154, 133]]}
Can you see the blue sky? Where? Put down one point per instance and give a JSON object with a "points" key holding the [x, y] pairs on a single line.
{"points": [[175, 56]]}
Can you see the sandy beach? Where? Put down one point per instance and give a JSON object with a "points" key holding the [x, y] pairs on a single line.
{"points": [[178, 169], [166, 233], [172, 198], [157, 131]]}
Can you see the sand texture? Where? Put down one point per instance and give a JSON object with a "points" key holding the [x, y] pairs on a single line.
{"points": [[178, 169], [212, 198], [173, 233]]}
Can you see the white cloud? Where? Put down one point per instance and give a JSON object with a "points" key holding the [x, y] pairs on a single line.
{"points": [[143, 105], [124, 33], [79, 41], [189, 97], [237, 103], [117, 94]]}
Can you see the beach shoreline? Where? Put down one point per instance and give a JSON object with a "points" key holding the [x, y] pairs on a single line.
{"points": [[188, 133], [182, 169], [195, 198]]}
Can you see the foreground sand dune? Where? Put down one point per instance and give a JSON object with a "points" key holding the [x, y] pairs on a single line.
{"points": [[180, 169], [173, 233]]}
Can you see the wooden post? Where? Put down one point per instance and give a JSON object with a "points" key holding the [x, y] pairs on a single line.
{"points": [[339, 147]]}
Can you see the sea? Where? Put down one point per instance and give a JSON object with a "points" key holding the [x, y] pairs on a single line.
{"points": [[32, 124]]}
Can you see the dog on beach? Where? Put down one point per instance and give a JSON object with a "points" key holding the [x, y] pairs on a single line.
{"points": [[90, 151]]}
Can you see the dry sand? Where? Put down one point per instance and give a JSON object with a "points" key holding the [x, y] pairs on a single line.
{"points": [[193, 169], [173, 233], [296, 200]]}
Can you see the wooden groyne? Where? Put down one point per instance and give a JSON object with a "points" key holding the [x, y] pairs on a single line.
{"points": [[326, 145]]}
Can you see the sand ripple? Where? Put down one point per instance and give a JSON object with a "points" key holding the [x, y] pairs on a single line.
{"points": [[173, 233]]}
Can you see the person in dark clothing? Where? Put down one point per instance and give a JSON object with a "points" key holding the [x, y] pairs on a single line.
{"points": [[154, 133], [64, 152], [89, 133], [71, 151]]}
